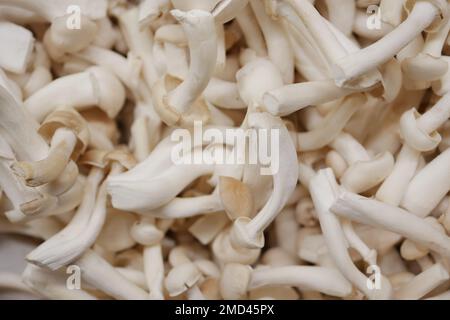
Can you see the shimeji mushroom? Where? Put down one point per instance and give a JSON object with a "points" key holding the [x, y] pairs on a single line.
{"points": [[150, 10], [68, 135], [12, 281], [96, 86], [84, 227], [328, 43], [203, 52], [151, 192], [418, 198], [101, 275], [324, 192], [423, 15], [251, 30], [249, 232], [16, 56], [349, 86], [428, 65], [184, 277], [146, 233], [325, 280], [420, 134], [379, 214], [238, 279], [277, 43], [23, 142]]}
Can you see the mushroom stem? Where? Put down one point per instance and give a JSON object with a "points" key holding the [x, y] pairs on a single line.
{"points": [[356, 64], [249, 232], [251, 30], [394, 186], [278, 46], [154, 271], [144, 194], [369, 255], [324, 191], [100, 274], [127, 70], [16, 55], [56, 8], [49, 169], [342, 14], [325, 280], [95, 86], [223, 94], [429, 186], [52, 286], [423, 283], [381, 215], [69, 243], [198, 26], [291, 98], [140, 42], [434, 118], [330, 128]]}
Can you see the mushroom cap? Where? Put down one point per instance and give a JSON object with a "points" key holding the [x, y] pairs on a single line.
{"points": [[236, 198], [363, 175], [424, 67], [94, 157], [414, 136], [412, 251], [146, 233], [99, 120], [180, 278], [59, 39], [71, 119], [103, 158]]}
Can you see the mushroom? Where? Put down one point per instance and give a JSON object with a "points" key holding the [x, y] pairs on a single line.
{"points": [[84, 227], [16, 56], [423, 283], [423, 15], [101, 275], [320, 171], [68, 135], [203, 52], [94, 88], [249, 232], [251, 30], [324, 192], [379, 214], [278, 46], [325, 280]]}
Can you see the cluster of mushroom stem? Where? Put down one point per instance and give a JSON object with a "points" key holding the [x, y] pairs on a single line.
{"points": [[353, 204]]}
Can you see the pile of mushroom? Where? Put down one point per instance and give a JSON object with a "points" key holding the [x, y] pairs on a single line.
{"points": [[358, 91]]}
